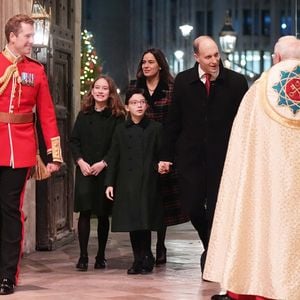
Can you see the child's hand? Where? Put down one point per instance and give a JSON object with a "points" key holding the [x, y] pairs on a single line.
{"points": [[85, 168], [110, 193], [96, 168]]}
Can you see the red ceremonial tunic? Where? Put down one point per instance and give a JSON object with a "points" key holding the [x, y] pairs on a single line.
{"points": [[18, 145]]}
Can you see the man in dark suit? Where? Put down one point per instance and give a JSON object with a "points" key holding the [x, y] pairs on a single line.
{"points": [[205, 101]]}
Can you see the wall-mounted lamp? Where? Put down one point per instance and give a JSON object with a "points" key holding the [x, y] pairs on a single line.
{"points": [[227, 36], [41, 27]]}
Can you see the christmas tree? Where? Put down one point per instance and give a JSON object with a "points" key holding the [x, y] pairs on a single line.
{"points": [[90, 63]]}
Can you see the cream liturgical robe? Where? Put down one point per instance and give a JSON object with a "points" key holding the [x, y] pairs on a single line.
{"points": [[255, 241]]}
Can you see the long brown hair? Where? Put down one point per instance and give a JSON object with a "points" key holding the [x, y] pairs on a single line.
{"points": [[164, 74], [114, 100]]}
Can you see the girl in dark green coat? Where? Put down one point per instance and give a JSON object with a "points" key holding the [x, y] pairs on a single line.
{"points": [[132, 180], [90, 140]]}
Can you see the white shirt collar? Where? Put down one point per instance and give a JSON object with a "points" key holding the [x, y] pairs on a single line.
{"points": [[202, 75]]}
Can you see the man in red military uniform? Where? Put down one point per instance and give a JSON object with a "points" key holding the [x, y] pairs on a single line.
{"points": [[23, 89]]}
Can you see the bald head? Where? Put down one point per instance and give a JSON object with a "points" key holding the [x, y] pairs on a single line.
{"points": [[287, 47], [202, 42], [206, 53]]}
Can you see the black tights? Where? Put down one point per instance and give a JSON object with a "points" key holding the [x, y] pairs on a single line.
{"points": [[84, 228], [141, 243], [161, 237]]}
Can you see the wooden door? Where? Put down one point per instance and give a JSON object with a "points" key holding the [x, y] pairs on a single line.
{"points": [[55, 196]]}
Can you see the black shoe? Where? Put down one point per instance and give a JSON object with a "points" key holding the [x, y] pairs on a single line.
{"points": [[145, 271], [100, 263], [136, 268], [220, 297], [83, 263], [161, 255], [6, 286], [147, 264]]}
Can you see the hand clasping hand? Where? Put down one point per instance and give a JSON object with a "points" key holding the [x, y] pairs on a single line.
{"points": [[164, 167]]}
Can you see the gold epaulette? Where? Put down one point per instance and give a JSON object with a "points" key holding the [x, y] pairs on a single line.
{"points": [[5, 78], [11, 72], [10, 56]]}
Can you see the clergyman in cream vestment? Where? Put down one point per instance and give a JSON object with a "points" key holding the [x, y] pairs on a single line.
{"points": [[255, 240]]}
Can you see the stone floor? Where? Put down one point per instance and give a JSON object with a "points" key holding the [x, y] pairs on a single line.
{"points": [[52, 275]]}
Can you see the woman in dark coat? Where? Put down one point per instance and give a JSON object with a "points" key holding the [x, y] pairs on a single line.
{"points": [[154, 77], [90, 140]]}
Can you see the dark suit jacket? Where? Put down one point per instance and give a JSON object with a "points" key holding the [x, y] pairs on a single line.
{"points": [[197, 132]]}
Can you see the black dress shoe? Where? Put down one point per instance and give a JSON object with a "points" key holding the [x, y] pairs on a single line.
{"points": [[148, 264], [220, 297], [6, 286], [161, 255], [83, 263], [100, 263], [136, 268]]}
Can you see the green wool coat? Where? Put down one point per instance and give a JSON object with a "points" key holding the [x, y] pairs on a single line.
{"points": [[91, 139], [132, 171]]}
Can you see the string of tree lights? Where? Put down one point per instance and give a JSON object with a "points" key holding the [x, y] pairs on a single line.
{"points": [[90, 62]]}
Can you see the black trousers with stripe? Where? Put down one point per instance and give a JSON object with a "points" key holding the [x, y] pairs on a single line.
{"points": [[12, 186]]}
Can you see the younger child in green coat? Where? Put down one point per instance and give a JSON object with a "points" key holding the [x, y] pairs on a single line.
{"points": [[132, 180]]}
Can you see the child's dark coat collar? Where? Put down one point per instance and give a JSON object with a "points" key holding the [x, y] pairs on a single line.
{"points": [[144, 123]]}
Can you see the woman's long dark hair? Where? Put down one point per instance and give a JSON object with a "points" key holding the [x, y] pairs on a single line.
{"points": [[164, 74], [114, 101]]}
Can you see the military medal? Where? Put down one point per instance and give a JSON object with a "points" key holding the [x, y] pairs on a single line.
{"points": [[27, 79]]}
